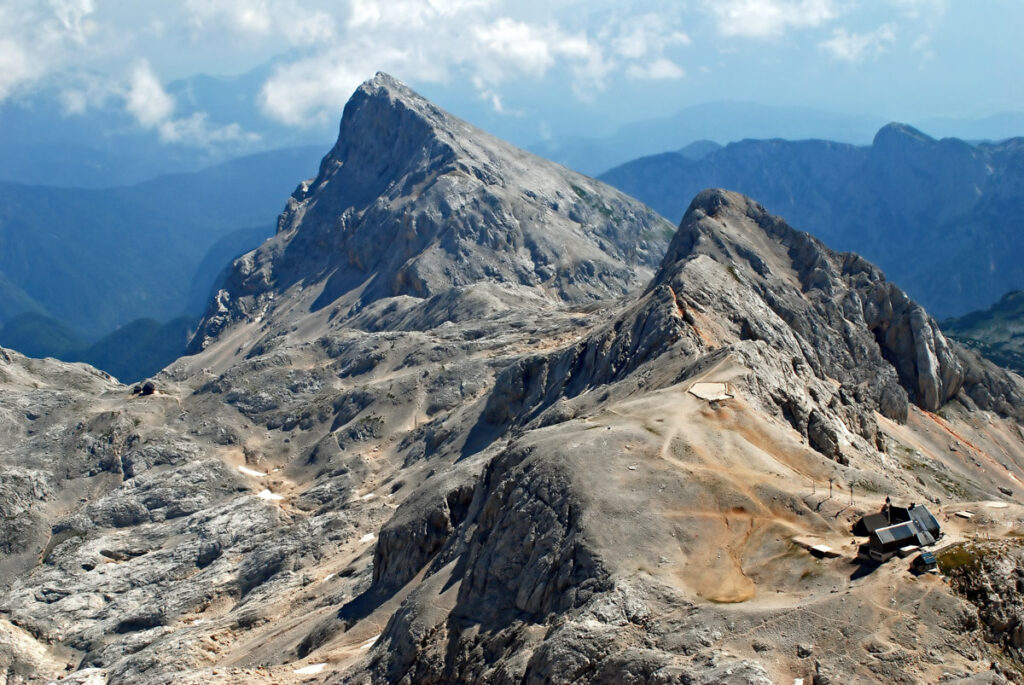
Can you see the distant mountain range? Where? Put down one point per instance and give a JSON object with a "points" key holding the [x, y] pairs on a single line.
{"points": [[997, 332], [134, 351], [86, 262], [942, 217], [720, 122], [724, 122]]}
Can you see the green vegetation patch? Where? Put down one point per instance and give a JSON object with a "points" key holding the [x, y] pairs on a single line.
{"points": [[964, 556], [967, 557]]}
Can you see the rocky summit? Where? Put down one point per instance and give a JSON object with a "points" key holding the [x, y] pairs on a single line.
{"points": [[471, 417]]}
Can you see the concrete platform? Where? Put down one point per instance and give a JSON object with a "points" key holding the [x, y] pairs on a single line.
{"points": [[712, 392]]}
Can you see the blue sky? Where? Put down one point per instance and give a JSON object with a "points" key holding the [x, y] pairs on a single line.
{"points": [[531, 68]]}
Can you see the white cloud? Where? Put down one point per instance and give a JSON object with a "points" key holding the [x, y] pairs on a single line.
{"points": [[438, 41], [303, 92], [408, 13], [146, 98], [297, 24], [16, 67], [856, 47], [768, 18], [519, 45], [74, 19], [36, 36], [195, 130], [659, 69], [330, 47], [153, 107], [646, 34]]}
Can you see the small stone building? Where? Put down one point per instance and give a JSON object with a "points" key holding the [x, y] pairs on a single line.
{"points": [[896, 529]]}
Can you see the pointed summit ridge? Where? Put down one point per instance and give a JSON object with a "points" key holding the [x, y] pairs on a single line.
{"points": [[846, 320], [898, 133], [412, 201]]}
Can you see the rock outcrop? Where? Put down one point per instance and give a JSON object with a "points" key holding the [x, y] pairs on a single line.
{"points": [[991, 577], [849, 320]]}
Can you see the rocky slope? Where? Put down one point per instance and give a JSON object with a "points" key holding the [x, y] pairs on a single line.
{"points": [[936, 215], [461, 453], [990, 575]]}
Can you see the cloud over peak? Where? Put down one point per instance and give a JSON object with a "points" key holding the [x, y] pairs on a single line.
{"points": [[153, 107], [856, 47], [769, 18], [485, 42]]}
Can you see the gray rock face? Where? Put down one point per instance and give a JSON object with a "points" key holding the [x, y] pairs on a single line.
{"points": [[642, 333], [852, 321], [412, 201], [992, 579]]}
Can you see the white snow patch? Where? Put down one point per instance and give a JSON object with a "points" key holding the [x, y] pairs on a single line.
{"points": [[368, 496], [251, 472], [268, 495], [311, 669], [369, 537], [327, 577], [369, 643]]}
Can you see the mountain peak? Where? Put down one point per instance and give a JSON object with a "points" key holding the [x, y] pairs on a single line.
{"points": [[388, 91], [896, 133], [383, 79], [797, 278], [412, 201]]}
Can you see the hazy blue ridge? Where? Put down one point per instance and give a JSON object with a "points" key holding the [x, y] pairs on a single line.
{"points": [[996, 332], [98, 259]]}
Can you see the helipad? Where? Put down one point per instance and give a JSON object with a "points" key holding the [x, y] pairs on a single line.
{"points": [[712, 392]]}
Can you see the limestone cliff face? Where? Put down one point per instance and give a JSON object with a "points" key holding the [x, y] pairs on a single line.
{"points": [[412, 201]]}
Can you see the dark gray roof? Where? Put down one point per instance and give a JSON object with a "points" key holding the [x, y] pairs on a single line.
{"points": [[920, 515], [925, 538], [873, 522], [900, 532]]}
